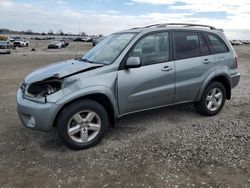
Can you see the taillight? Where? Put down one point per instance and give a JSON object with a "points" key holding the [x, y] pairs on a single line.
{"points": [[236, 60]]}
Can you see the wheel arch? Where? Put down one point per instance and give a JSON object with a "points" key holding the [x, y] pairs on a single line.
{"points": [[222, 78], [103, 99]]}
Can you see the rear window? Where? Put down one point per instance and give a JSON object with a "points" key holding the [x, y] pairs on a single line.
{"points": [[186, 44], [217, 44]]}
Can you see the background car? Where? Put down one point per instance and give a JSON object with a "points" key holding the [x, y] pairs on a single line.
{"points": [[21, 43], [55, 45], [83, 39], [236, 42], [87, 39], [78, 39], [95, 41], [5, 47], [246, 41], [65, 41]]}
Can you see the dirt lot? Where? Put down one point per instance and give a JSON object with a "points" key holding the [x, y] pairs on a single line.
{"points": [[170, 147]]}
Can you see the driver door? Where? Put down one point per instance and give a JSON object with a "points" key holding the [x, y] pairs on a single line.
{"points": [[152, 84]]}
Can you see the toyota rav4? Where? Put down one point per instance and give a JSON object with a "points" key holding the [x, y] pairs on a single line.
{"points": [[130, 71]]}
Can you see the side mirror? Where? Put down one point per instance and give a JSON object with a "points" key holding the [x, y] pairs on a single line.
{"points": [[133, 62]]}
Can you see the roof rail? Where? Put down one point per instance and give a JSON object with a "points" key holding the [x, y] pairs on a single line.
{"points": [[177, 24], [187, 25]]}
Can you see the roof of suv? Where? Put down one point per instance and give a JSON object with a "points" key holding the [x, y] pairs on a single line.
{"points": [[157, 27]]}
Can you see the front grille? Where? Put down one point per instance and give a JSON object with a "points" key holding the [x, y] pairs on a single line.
{"points": [[23, 87]]}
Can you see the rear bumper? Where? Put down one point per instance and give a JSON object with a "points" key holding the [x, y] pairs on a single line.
{"points": [[36, 115], [235, 79]]}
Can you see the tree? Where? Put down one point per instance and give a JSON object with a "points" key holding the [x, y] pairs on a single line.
{"points": [[29, 31], [60, 32], [83, 33], [50, 32]]}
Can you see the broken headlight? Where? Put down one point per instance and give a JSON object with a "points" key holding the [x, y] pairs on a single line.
{"points": [[43, 88]]}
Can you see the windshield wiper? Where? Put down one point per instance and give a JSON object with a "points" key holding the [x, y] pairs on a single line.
{"points": [[88, 61]]}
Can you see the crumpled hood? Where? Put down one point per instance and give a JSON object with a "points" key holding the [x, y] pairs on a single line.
{"points": [[59, 70]]}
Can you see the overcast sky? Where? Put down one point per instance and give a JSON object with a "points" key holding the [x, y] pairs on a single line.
{"points": [[107, 16]]}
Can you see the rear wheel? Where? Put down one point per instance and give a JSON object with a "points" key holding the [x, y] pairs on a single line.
{"points": [[212, 100], [82, 124]]}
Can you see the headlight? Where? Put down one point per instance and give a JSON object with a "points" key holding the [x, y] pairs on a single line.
{"points": [[43, 88]]}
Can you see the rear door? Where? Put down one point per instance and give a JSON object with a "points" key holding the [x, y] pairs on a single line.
{"points": [[193, 60], [152, 84]]}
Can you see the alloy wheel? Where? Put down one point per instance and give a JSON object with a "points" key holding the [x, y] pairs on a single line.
{"points": [[84, 126], [214, 99]]}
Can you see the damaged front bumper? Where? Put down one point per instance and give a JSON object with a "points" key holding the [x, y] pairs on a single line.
{"points": [[36, 115]]}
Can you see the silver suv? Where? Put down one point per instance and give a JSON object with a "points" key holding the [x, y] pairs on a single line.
{"points": [[130, 71]]}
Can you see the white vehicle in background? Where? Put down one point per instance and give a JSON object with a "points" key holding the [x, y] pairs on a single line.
{"points": [[246, 41], [87, 39], [240, 42], [55, 45], [83, 39], [21, 43], [236, 42], [11, 40], [5, 47]]}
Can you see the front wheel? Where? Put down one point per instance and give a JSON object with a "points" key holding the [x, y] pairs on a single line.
{"points": [[82, 124], [212, 100]]}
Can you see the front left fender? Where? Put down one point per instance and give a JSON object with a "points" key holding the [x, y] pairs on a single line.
{"points": [[88, 91]]}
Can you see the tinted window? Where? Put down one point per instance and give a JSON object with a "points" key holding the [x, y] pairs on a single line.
{"points": [[217, 44], [152, 49], [203, 46], [186, 44]]}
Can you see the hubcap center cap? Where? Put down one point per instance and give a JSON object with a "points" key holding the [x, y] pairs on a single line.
{"points": [[84, 124]]}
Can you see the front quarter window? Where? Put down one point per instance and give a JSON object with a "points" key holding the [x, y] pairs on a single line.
{"points": [[109, 48]]}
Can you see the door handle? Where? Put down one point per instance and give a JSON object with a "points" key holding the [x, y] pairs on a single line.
{"points": [[207, 61], [166, 68]]}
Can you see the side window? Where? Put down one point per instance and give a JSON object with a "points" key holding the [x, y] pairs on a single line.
{"points": [[217, 44], [203, 46], [152, 49], [186, 44]]}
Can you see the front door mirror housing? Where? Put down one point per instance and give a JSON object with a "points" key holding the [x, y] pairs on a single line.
{"points": [[133, 62]]}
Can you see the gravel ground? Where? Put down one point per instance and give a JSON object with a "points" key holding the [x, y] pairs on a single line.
{"points": [[168, 147]]}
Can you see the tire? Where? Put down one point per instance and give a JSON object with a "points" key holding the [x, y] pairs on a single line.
{"points": [[210, 103], [82, 133]]}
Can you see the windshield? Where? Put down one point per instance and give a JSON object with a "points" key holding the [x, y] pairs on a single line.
{"points": [[109, 48]]}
